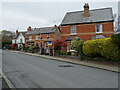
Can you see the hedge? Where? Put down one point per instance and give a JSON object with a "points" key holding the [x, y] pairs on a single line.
{"points": [[116, 38], [103, 47]]}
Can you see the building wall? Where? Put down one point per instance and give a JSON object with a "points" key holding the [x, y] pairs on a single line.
{"points": [[87, 31], [44, 38]]}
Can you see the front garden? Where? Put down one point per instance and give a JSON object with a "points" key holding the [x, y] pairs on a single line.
{"points": [[105, 50]]}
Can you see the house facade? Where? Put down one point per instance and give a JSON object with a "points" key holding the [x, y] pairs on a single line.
{"points": [[41, 37], [87, 24], [19, 40]]}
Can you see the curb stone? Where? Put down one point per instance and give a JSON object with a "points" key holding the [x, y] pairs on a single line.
{"points": [[7, 80]]}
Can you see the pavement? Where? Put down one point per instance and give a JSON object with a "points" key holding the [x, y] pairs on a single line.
{"points": [[28, 71], [113, 68]]}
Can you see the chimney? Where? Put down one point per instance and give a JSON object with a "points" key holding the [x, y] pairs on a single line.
{"points": [[86, 10], [29, 28], [16, 32], [55, 26]]}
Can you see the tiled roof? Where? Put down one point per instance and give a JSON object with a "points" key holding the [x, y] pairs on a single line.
{"points": [[72, 38], [41, 30], [23, 33], [96, 15]]}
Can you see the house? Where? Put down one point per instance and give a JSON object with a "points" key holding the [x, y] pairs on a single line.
{"points": [[87, 24], [42, 37], [19, 40]]}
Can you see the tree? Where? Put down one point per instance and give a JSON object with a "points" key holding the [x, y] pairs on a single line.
{"points": [[58, 43], [77, 45], [7, 37]]}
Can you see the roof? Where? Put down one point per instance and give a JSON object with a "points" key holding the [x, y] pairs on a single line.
{"points": [[72, 38], [23, 33], [44, 30], [98, 37], [96, 15]]}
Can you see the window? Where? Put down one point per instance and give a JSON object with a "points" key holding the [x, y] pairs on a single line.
{"points": [[15, 42], [40, 36], [21, 40], [36, 37], [47, 36], [46, 44], [40, 44], [36, 43], [73, 29], [30, 38], [98, 28]]}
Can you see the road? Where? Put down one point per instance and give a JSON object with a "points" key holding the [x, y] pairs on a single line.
{"points": [[27, 71]]}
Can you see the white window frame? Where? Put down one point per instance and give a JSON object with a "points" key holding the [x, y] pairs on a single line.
{"points": [[36, 37], [73, 30], [21, 40], [99, 28], [30, 38], [40, 36]]}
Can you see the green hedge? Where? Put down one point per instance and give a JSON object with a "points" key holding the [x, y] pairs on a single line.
{"points": [[116, 38], [103, 47]]}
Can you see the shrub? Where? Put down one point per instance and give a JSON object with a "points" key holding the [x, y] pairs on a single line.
{"points": [[68, 53], [77, 45], [103, 47], [116, 38]]}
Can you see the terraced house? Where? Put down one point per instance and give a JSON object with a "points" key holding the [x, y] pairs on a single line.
{"points": [[42, 37], [87, 24]]}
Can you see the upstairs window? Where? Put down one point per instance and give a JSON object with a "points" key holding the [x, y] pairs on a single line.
{"points": [[40, 36], [21, 40], [30, 38], [36, 37], [98, 28], [73, 29]]}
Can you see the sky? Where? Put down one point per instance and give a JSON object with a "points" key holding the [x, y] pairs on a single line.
{"points": [[20, 15]]}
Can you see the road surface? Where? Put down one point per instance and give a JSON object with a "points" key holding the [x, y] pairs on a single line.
{"points": [[27, 71]]}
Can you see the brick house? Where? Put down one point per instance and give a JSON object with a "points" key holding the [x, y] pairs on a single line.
{"points": [[42, 37], [87, 24]]}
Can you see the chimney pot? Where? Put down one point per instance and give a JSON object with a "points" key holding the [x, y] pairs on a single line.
{"points": [[16, 32], [86, 10], [29, 28]]}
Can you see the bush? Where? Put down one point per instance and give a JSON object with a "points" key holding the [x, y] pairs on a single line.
{"points": [[68, 53], [116, 38], [102, 47], [77, 45]]}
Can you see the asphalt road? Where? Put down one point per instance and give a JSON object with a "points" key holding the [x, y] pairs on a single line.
{"points": [[34, 72]]}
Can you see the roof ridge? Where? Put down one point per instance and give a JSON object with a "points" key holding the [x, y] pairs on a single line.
{"points": [[45, 27], [90, 10]]}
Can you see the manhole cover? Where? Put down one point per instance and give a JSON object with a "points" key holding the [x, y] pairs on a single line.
{"points": [[65, 66]]}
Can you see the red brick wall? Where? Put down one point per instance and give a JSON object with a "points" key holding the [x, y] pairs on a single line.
{"points": [[87, 31], [39, 40]]}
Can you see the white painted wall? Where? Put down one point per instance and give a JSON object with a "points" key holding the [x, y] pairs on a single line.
{"points": [[18, 40]]}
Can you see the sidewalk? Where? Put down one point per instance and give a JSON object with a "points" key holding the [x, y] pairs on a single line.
{"points": [[85, 63]]}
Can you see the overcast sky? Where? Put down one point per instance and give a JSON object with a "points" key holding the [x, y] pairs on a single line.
{"points": [[20, 15]]}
